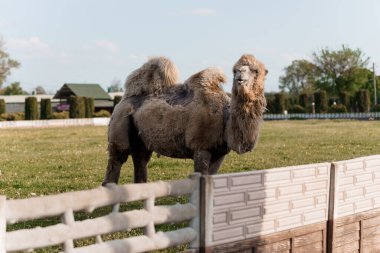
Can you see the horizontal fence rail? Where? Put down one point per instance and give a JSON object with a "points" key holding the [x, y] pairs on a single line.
{"points": [[54, 123], [66, 204]]}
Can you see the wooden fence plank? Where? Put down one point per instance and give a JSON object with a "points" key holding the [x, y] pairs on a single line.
{"points": [[142, 243], [57, 234], [3, 224], [307, 239], [310, 248], [55, 205]]}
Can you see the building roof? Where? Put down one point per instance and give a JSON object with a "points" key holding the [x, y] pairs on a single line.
{"points": [[81, 90]]}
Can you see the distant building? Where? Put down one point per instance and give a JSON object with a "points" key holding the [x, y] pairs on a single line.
{"points": [[102, 101], [16, 103]]}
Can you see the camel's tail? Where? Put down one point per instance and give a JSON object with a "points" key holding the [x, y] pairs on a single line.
{"points": [[209, 78], [152, 77]]}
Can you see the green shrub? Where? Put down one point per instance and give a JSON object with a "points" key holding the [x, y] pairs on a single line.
{"points": [[77, 109], [363, 100], [2, 106], [31, 108], [89, 107], [45, 108], [303, 100], [338, 108], [60, 115], [376, 108], [297, 109], [12, 116], [320, 99], [102, 113], [269, 97], [279, 103], [116, 100], [344, 98]]}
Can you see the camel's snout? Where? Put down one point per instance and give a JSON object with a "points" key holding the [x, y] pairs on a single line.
{"points": [[241, 75]]}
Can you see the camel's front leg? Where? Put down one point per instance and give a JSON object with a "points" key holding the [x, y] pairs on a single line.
{"points": [[215, 164], [202, 159]]}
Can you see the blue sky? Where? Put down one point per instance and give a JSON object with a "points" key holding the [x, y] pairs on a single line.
{"points": [[96, 41]]}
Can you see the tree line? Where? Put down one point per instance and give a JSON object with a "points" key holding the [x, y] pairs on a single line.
{"points": [[331, 81]]}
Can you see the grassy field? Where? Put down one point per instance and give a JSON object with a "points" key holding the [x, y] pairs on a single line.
{"points": [[37, 162]]}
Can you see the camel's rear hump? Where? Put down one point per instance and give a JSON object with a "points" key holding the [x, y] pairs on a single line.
{"points": [[153, 77]]}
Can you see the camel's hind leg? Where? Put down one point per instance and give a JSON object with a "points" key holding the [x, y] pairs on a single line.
{"points": [[140, 155], [140, 164], [115, 161], [118, 140]]}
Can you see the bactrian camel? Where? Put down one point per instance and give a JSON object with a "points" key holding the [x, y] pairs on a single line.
{"points": [[195, 120]]}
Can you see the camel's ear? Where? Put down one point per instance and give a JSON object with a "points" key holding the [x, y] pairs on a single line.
{"points": [[266, 72]]}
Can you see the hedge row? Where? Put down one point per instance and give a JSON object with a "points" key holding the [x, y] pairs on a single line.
{"points": [[320, 103], [80, 107]]}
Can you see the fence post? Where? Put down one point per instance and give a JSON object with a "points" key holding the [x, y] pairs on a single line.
{"points": [[68, 219], [205, 200], [195, 200], [333, 199], [3, 224], [149, 229]]}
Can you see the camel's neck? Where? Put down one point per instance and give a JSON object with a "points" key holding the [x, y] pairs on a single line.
{"points": [[244, 122]]}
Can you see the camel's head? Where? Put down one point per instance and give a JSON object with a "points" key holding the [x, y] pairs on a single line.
{"points": [[249, 76]]}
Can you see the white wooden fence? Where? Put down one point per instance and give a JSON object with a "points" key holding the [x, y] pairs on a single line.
{"points": [[355, 115], [65, 204], [54, 123], [329, 207]]}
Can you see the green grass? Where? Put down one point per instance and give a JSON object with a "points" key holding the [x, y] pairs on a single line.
{"points": [[36, 162]]}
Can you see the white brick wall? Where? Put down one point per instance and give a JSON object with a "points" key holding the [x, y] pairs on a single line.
{"points": [[357, 185], [249, 204]]}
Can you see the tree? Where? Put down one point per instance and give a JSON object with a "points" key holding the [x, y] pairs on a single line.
{"points": [[45, 108], [6, 64], [116, 100], [31, 108], [299, 77], [77, 109], [89, 107], [363, 101], [115, 86], [39, 90], [14, 89], [320, 99], [2, 106], [279, 103], [341, 70], [334, 71]]}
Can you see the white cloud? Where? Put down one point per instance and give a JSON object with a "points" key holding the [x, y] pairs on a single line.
{"points": [[137, 58], [204, 12], [33, 45], [107, 45], [3, 23]]}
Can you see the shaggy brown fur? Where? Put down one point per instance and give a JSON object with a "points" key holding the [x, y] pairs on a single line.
{"points": [[154, 77], [194, 120], [247, 106]]}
